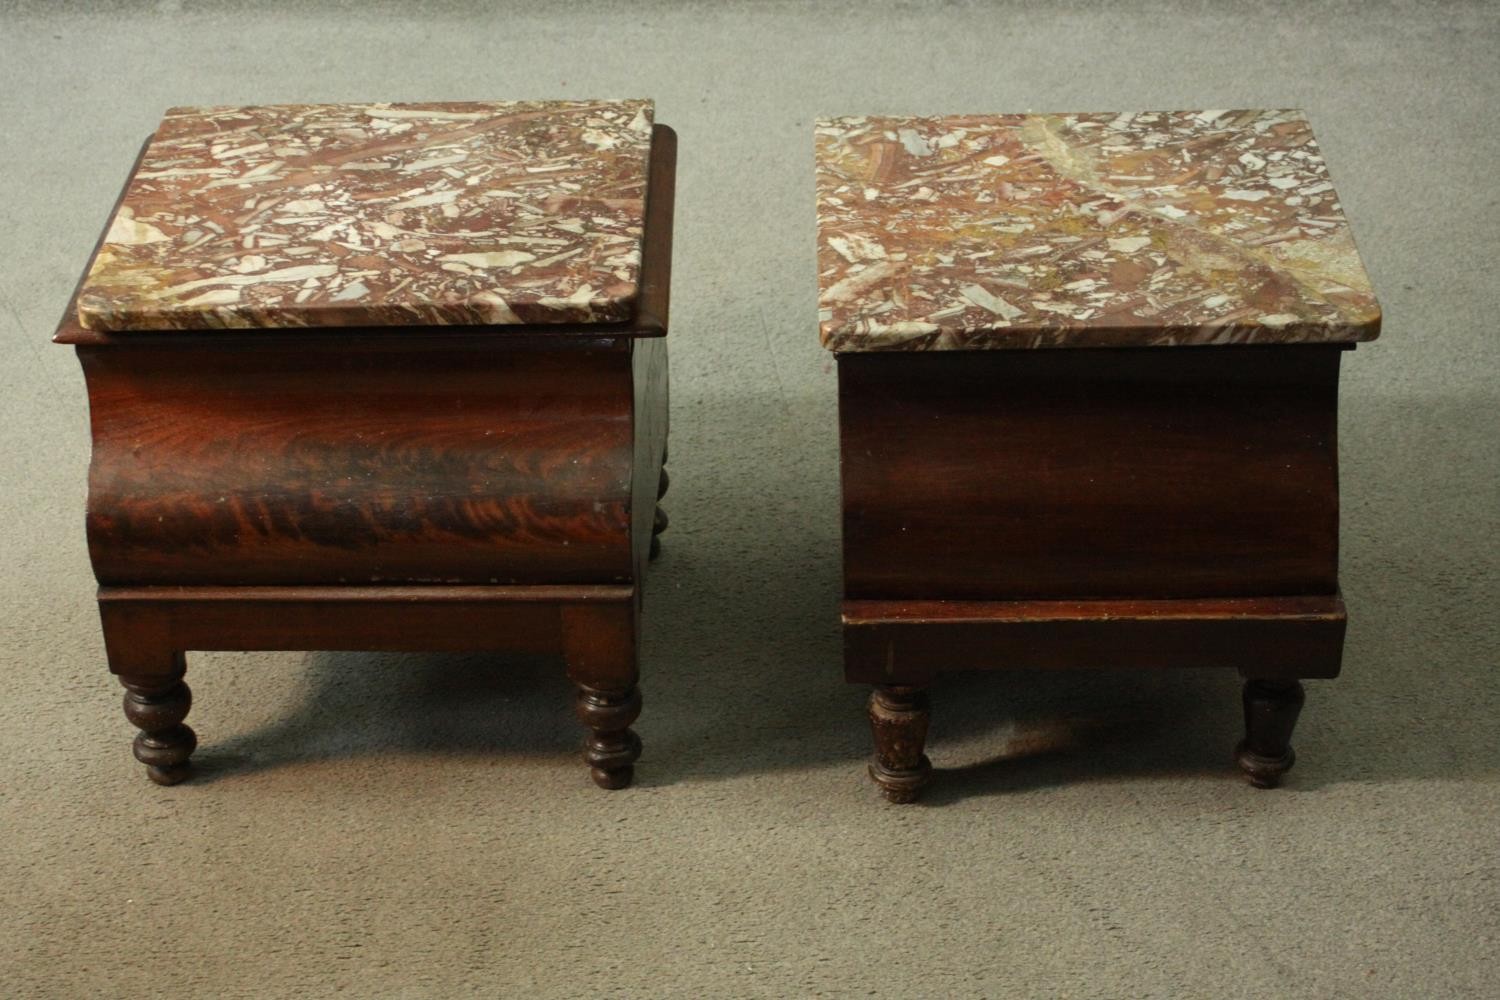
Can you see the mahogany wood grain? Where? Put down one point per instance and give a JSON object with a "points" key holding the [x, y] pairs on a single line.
{"points": [[324, 464], [1143, 473]]}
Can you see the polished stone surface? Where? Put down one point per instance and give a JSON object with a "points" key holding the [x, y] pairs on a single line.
{"points": [[1083, 230], [379, 215]]}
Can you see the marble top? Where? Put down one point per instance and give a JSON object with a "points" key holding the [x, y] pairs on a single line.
{"points": [[1083, 230], [378, 215]]}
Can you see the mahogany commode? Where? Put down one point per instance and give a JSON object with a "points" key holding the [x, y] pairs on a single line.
{"points": [[381, 377], [1088, 378]]}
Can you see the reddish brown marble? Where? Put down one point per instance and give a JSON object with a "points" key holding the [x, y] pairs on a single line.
{"points": [[1131, 229], [379, 215]]}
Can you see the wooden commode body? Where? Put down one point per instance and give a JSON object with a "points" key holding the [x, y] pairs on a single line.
{"points": [[1088, 382], [381, 377]]}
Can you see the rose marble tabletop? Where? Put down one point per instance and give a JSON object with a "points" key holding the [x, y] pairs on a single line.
{"points": [[379, 215], [1086, 230]]}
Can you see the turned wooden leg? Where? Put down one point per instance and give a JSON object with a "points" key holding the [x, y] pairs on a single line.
{"points": [[659, 524], [157, 704], [898, 719], [612, 746], [1271, 709], [599, 646]]}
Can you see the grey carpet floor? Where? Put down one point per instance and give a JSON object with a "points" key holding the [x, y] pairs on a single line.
{"points": [[419, 825]]}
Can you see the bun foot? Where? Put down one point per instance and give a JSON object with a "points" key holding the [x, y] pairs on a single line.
{"points": [[1271, 710], [1264, 772], [902, 787], [612, 747], [157, 706]]}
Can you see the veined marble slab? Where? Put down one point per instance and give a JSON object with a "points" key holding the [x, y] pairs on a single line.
{"points": [[1083, 230], [379, 215]]}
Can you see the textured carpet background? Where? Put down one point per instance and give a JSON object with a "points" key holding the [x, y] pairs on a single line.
{"points": [[420, 825]]}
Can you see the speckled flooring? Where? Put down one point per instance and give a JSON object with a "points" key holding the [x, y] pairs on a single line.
{"points": [[418, 826]]}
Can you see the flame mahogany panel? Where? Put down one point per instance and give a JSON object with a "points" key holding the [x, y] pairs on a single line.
{"points": [[1110, 473], [466, 461]]}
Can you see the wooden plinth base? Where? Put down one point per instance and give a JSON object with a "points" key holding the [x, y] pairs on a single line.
{"points": [[594, 628], [903, 646]]}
